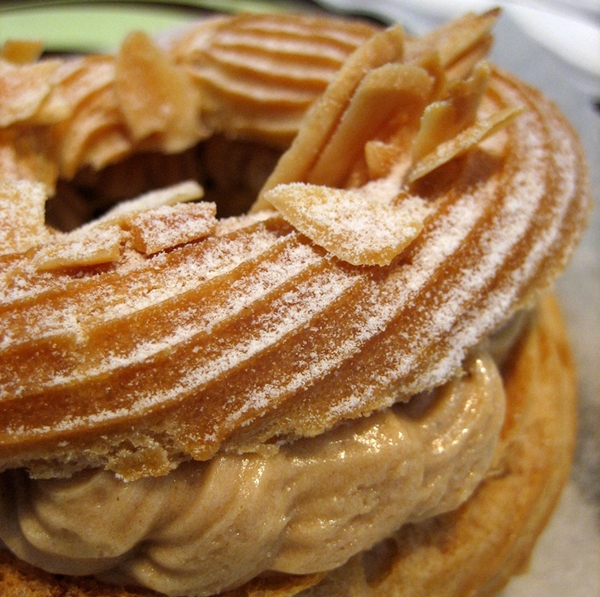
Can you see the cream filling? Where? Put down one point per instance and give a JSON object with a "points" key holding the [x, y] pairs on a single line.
{"points": [[207, 527]]}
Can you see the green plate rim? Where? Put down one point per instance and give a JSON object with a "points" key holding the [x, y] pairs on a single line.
{"points": [[79, 26]]}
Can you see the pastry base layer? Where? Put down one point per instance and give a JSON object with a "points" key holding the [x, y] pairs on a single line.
{"points": [[472, 551]]}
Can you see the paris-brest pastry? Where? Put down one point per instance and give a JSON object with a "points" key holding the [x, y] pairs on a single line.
{"points": [[276, 314]]}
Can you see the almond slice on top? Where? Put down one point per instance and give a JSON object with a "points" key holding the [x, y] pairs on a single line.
{"points": [[81, 248], [156, 97], [384, 47], [462, 142], [348, 223], [22, 215], [169, 226]]}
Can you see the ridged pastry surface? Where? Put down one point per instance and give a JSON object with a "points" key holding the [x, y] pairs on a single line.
{"points": [[474, 548], [252, 334], [258, 75], [209, 526]]}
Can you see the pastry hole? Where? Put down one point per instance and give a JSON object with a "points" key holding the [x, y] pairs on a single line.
{"points": [[231, 173]]}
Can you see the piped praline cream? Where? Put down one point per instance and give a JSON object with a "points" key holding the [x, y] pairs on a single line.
{"points": [[309, 507], [227, 357]]}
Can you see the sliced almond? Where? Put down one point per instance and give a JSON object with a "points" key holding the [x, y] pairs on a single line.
{"points": [[188, 190], [22, 51], [97, 112], [24, 88], [380, 157], [350, 225], [155, 96], [457, 42], [79, 78], [74, 81], [390, 97], [172, 225], [106, 146], [81, 248], [460, 144], [318, 127], [444, 119], [22, 215]]}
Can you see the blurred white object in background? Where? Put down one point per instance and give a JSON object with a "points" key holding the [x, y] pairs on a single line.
{"points": [[568, 28]]}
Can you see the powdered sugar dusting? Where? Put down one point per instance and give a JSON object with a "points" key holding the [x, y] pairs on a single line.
{"points": [[348, 223], [241, 294], [22, 216], [168, 226], [132, 288], [526, 193], [256, 317], [82, 248]]}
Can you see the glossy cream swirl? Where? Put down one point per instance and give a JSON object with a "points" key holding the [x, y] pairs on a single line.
{"points": [[308, 507]]}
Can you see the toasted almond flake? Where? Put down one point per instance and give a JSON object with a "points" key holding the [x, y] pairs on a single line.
{"points": [[180, 193], [172, 225], [23, 88], [110, 144], [51, 110], [79, 78], [156, 96], [432, 65], [380, 157], [92, 246], [99, 111], [349, 224], [21, 51], [22, 214], [400, 93], [460, 144], [461, 67], [74, 82], [384, 47], [444, 119], [460, 42]]}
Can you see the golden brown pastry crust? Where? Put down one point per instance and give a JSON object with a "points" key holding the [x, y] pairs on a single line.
{"points": [[477, 548], [442, 556], [144, 381], [472, 551]]}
